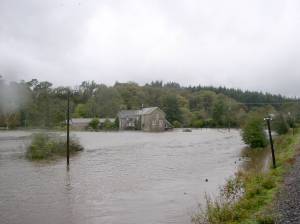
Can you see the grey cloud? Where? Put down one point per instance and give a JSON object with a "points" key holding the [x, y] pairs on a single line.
{"points": [[247, 44]]}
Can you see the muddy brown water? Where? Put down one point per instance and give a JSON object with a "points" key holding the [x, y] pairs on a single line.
{"points": [[120, 177]]}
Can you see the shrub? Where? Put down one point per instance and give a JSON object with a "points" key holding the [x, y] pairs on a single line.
{"points": [[253, 132], [210, 123], [108, 125], [45, 146], [197, 123], [280, 125], [117, 122], [94, 123], [176, 124]]}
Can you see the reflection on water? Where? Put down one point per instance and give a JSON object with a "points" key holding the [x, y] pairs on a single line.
{"points": [[121, 177]]}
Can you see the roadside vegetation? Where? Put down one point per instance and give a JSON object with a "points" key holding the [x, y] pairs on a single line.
{"points": [[50, 146], [250, 196], [253, 132]]}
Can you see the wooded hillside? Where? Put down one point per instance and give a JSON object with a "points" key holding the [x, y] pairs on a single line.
{"points": [[39, 104]]}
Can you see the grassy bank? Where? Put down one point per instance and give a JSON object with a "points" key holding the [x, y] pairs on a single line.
{"points": [[50, 146], [249, 197]]}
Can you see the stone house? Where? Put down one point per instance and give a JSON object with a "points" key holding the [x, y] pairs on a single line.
{"points": [[146, 119]]}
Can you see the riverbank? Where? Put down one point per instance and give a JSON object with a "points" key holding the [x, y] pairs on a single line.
{"points": [[250, 196]]}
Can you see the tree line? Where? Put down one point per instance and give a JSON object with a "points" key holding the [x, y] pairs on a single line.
{"points": [[37, 103]]}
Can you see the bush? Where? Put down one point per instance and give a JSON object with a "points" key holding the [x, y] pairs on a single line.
{"points": [[210, 123], [108, 125], [280, 125], [117, 122], [45, 146], [94, 123], [253, 132], [197, 123], [176, 124]]}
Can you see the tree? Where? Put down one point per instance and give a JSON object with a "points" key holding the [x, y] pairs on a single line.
{"points": [[131, 93], [171, 107], [202, 100], [280, 124], [219, 112], [39, 104], [253, 132], [108, 101], [80, 110], [186, 116]]}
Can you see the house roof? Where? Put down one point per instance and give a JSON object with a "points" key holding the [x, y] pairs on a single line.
{"points": [[148, 110], [128, 113], [133, 113]]}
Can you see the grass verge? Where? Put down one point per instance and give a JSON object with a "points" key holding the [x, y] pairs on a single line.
{"points": [[49, 146], [250, 196]]}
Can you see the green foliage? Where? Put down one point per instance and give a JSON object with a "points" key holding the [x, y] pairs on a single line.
{"points": [[210, 123], [186, 117], [171, 107], [203, 100], [81, 110], [251, 97], [250, 196], [107, 100], [176, 124], [280, 124], [291, 121], [197, 123], [108, 125], [253, 132], [94, 123], [219, 112], [117, 122], [39, 104], [46, 146]]}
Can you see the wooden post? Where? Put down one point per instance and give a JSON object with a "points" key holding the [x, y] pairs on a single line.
{"points": [[268, 119], [68, 130]]}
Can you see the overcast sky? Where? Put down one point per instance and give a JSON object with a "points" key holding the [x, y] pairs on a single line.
{"points": [[251, 44]]}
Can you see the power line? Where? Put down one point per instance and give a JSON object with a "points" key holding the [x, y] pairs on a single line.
{"points": [[264, 103]]}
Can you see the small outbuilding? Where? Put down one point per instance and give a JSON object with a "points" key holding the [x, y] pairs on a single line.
{"points": [[83, 123]]}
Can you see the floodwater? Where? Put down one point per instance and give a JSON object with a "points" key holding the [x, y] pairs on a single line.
{"points": [[120, 177]]}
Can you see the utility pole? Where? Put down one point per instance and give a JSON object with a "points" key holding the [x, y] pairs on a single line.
{"points": [[268, 120], [68, 130], [293, 120]]}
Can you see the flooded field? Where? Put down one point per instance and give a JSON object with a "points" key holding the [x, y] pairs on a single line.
{"points": [[120, 178]]}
